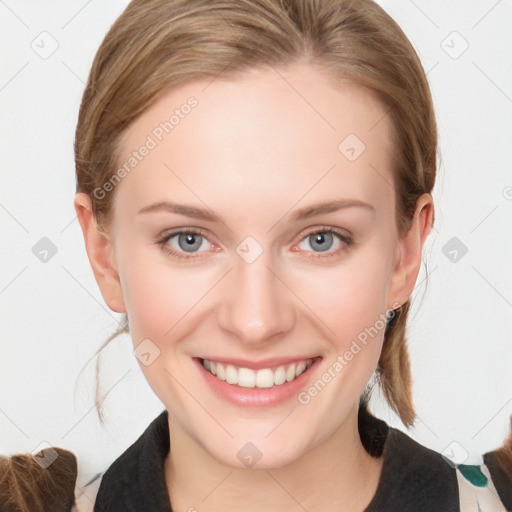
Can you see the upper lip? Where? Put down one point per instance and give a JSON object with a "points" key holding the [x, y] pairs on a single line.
{"points": [[258, 365]]}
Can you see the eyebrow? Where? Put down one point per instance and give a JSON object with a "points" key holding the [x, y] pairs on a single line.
{"points": [[207, 215]]}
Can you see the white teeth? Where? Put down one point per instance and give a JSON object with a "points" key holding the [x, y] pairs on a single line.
{"points": [[301, 367], [231, 375], [221, 374], [279, 376], [246, 378], [264, 378]]}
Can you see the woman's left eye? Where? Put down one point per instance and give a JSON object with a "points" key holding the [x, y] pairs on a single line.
{"points": [[190, 241], [323, 240]]}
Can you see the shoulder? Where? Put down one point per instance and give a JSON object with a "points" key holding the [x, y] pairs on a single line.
{"points": [[415, 477], [136, 478]]}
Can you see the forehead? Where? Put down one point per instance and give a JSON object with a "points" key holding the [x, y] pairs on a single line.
{"points": [[272, 134]]}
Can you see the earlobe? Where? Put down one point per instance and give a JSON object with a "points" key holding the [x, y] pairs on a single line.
{"points": [[409, 252], [100, 253]]}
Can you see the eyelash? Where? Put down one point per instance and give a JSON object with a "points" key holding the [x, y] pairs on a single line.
{"points": [[346, 240]]}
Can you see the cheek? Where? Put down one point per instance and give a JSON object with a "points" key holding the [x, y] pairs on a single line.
{"points": [[161, 298], [350, 297], [350, 300]]}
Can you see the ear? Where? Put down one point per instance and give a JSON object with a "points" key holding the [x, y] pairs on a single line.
{"points": [[409, 251], [101, 254]]}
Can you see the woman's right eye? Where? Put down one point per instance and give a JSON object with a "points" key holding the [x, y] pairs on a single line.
{"points": [[183, 242]]}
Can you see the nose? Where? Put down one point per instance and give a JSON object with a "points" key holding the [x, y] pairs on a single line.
{"points": [[256, 305]]}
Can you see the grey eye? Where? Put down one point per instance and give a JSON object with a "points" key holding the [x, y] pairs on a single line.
{"points": [[189, 242], [321, 241]]}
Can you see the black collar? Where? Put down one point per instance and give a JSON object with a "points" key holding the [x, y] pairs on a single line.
{"points": [[414, 478]]}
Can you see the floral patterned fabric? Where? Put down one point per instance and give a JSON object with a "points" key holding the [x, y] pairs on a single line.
{"points": [[477, 492]]}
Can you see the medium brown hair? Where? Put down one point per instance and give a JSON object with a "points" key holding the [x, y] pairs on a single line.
{"points": [[156, 45], [28, 486]]}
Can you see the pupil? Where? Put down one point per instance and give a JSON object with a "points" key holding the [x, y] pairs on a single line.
{"points": [[189, 241], [320, 239]]}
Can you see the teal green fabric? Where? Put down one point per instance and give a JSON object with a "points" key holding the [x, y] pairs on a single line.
{"points": [[473, 474]]}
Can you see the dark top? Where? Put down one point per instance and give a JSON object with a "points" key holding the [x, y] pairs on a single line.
{"points": [[413, 478]]}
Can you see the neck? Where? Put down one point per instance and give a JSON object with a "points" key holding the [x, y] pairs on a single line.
{"points": [[336, 475]]}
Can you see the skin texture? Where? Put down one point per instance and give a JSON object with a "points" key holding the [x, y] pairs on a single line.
{"points": [[254, 151]]}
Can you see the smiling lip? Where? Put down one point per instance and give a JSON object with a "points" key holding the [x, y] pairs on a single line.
{"points": [[257, 396], [259, 365]]}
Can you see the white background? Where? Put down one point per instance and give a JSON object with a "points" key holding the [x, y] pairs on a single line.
{"points": [[54, 318]]}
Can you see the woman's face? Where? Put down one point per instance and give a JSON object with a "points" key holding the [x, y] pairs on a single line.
{"points": [[284, 181]]}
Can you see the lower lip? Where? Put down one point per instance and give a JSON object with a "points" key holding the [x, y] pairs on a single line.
{"points": [[257, 397]]}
